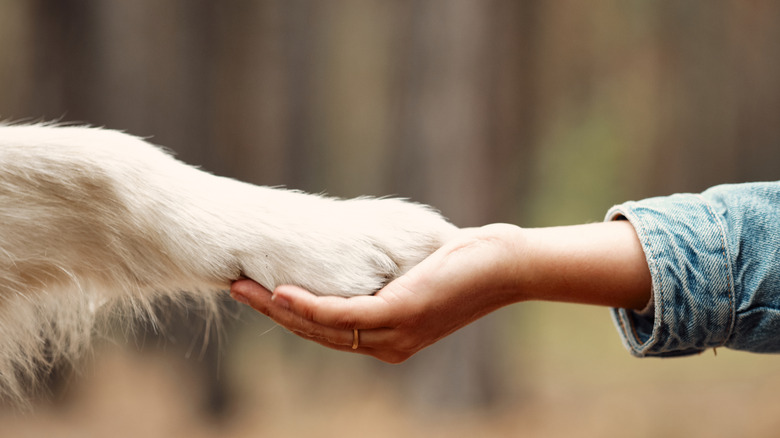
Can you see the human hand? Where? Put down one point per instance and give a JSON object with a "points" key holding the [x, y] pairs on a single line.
{"points": [[473, 274]]}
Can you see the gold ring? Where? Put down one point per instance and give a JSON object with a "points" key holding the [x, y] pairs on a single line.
{"points": [[355, 338]]}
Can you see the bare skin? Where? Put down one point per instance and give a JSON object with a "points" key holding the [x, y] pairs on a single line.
{"points": [[476, 272]]}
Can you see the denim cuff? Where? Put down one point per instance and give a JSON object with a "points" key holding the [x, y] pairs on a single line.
{"points": [[693, 306]]}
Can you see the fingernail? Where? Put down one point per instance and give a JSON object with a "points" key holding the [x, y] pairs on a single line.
{"points": [[280, 301], [240, 298]]}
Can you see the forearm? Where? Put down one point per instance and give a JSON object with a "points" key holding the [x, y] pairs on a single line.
{"points": [[601, 263]]}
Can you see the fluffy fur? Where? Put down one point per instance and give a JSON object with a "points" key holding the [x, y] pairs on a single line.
{"points": [[97, 224]]}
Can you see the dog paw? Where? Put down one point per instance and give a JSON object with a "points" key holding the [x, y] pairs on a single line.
{"points": [[347, 247]]}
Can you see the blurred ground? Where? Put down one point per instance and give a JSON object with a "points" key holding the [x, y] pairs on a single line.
{"points": [[573, 379]]}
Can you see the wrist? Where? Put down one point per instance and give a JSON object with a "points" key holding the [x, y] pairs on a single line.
{"points": [[600, 263], [507, 258]]}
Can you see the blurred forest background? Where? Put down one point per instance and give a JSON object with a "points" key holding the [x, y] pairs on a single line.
{"points": [[529, 112]]}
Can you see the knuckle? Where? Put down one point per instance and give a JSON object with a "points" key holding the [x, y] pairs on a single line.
{"points": [[344, 320], [409, 345], [307, 313]]}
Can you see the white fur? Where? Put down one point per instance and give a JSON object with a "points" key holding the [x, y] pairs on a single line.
{"points": [[95, 222]]}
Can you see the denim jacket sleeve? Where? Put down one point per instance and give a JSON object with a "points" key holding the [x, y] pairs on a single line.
{"points": [[714, 259]]}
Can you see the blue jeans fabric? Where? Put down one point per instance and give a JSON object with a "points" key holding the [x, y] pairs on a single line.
{"points": [[714, 259]]}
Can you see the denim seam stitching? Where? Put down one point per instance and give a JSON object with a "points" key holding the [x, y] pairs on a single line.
{"points": [[729, 289]]}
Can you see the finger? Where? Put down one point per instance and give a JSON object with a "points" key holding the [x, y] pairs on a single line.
{"points": [[378, 343], [251, 293], [370, 342], [389, 355], [278, 309], [361, 312], [259, 298]]}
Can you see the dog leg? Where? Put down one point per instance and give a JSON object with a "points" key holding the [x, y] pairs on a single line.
{"points": [[93, 219]]}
